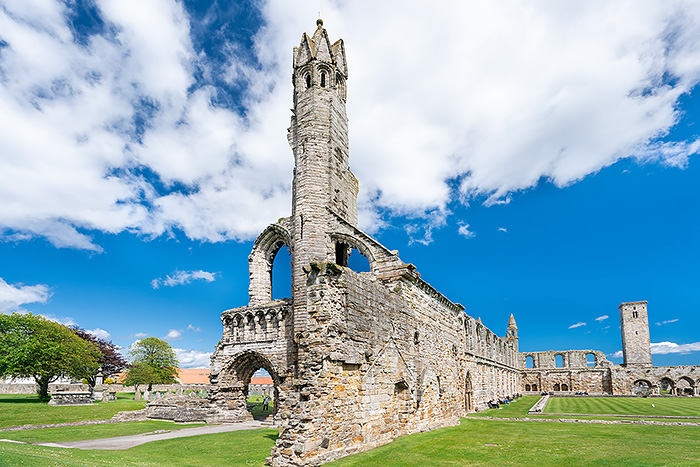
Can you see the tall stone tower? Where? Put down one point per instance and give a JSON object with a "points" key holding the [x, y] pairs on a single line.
{"points": [[636, 345], [324, 188]]}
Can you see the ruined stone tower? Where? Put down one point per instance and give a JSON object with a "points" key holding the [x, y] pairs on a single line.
{"points": [[636, 344], [512, 332]]}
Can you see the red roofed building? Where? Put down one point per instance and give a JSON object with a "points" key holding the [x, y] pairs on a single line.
{"points": [[193, 375], [260, 385]]}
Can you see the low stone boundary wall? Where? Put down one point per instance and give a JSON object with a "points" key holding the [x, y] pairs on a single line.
{"points": [[539, 405], [29, 388]]}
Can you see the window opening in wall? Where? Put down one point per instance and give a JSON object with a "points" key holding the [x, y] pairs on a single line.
{"points": [[528, 387], [529, 362], [564, 387], [341, 254], [634, 314], [559, 361], [590, 359], [323, 79], [557, 387], [534, 387], [307, 78], [282, 274], [340, 85]]}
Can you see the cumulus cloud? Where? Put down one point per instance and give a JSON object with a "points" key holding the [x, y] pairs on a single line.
{"points": [[64, 320], [121, 127], [668, 321], [577, 325], [189, 358], [183, 277], [663, 348], [12, 297], [173, 335], [602, 318], [101, 333], [617, 354]]}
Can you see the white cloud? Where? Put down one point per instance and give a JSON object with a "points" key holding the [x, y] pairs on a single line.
{"points": [[101, 333], [668, 321], [194, 328], [183, 277], [189, 358], [577, 325], [617, 354], [662, 348], [64, 320], [602, 318], [465, 232], [518, 92], [12, 297], [502, 229], [173, 335]]}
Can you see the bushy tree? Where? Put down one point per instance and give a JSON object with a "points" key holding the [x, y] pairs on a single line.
{"points": [[31, 346], [111, 361], [153, 362]]}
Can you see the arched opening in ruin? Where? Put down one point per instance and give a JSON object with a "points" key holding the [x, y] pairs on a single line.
{"points": [[559, 360], [528, 387], [251, 383], [534, 387], [529, 361], [468, 394], [557, 387], [641, 387], [402, 402], [667, 386], [340, 84], [685, 387], [564, 387], [351, 253], [323, 79], [307, 78], [281, 274], [590, 359]]}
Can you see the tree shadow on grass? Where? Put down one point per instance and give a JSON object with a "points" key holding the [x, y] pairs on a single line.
{"points": [[18, 399], [273, 437]]}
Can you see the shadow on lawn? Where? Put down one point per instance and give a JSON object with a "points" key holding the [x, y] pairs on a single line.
{"points": [[13, 399]]}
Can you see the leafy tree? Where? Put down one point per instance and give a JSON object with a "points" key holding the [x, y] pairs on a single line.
{"points": [[141, 373], [159, 356], [111, 361], [31, 346]]}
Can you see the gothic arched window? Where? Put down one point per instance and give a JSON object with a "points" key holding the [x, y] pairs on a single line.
{"points": [[308, 80], [323, 79]]}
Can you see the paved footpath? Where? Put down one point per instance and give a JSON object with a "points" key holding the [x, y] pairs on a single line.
{"points": [[126, 442]]}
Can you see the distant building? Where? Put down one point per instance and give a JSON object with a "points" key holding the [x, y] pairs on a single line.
{"points": [[261, 386], [193, 375]]}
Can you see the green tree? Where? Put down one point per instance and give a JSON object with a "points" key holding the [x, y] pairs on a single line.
{"points": [[31, 346], [156, 354]]}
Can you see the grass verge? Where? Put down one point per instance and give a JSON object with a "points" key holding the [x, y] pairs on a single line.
{"points": [[26, 409], [247, 448], [672, 406]]}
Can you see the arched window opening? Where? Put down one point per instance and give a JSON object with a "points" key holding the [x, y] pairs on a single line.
{"points": [[590, 359], [282, 274], [307, 78], [340, 85], [641, 387], [349, 257], [534, 387], [528, 387], [529, 361], [557, 387], [323, 79], [564, 387], [667, 386], [559, 361], [634, 314]]}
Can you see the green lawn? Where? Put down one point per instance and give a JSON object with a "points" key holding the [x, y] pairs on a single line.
{"points": [[538, 444], [78, 433], [238, 448], [676, 406], [24, 409]]}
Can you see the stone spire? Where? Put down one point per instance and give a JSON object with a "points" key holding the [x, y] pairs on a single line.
{"points": [[512, 332]]}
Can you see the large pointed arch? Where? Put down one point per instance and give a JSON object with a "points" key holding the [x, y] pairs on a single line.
{"points": [[260, 261], [354, 242]]}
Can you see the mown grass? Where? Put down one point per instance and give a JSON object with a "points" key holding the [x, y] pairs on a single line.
{"points": [[238, 448], [538, 444], [79, 433], [676, 406], [27, 409]]}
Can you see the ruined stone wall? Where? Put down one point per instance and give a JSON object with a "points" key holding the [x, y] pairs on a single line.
{"points": [[678, 380], [379, 361], [636, 343]]}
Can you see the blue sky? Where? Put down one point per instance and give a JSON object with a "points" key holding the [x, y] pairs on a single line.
{"points": [[528, 158]]}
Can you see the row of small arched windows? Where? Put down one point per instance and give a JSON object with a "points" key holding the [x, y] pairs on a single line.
{"points": [[339, 82]]}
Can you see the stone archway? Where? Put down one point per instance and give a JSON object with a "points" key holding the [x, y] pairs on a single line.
{"points": [[468, 393], [667, 385], [234, 381], [685, 386]]}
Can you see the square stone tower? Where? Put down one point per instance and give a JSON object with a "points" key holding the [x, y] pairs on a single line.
{"points": [[636, 345]]}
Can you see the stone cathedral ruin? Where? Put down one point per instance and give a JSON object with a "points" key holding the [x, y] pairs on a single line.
{"points": [[358, 359]]}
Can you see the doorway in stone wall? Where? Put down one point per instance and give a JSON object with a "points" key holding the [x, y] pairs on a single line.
{"points": [[257, 384], [468, 393]]}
